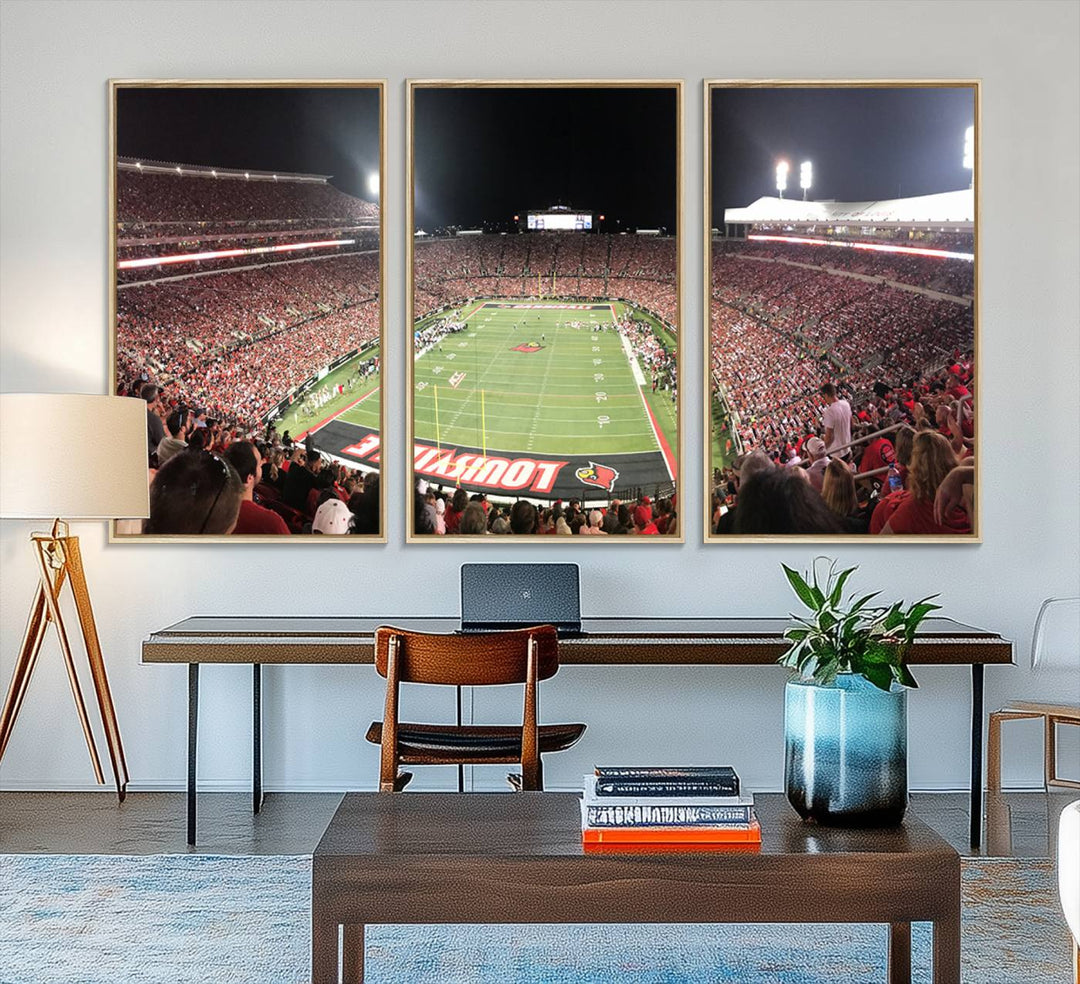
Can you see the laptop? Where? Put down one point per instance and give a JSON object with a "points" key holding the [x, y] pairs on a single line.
{"points": [[496, 597]]}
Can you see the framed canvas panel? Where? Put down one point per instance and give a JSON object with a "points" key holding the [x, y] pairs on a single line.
{"points": [[841, 286], [247, 277], [544, 311]]}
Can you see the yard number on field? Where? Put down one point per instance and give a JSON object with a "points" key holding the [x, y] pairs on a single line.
{"points": [[603, 419]]}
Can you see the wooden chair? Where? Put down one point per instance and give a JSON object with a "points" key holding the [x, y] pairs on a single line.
{"points": [[485, 659], [1058, 618]]}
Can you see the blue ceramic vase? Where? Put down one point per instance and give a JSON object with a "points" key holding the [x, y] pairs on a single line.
{"points": [[846, 752]]}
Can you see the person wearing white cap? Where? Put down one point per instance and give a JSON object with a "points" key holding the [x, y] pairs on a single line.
{"points": [[819, 461], [592, 528], [333, 517]]}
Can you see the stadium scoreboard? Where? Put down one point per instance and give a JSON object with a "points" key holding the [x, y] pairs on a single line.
{"points": [[559, 221]]}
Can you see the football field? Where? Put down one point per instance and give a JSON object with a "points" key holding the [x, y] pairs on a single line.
{"points": [[523, 380], [540, 381], [543, 399]]}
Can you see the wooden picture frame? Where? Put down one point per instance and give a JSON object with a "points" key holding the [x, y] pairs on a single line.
{"points": [[568, 475], [750, 308], [323, 288]]}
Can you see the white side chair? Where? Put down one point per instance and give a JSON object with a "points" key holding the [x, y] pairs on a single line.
{"points": [[1069, 875], [1055, 646]]}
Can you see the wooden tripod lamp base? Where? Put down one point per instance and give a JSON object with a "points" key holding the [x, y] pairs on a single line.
{"points": [[58, 560]]}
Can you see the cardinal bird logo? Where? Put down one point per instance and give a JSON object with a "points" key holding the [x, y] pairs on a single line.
{"points": [[601, 476], [527, 347]]}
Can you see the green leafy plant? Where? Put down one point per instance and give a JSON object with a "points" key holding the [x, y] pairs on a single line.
{"points": [[871, 640]]}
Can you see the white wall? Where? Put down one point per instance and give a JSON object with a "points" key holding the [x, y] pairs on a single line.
{"points": [[56, 58]]}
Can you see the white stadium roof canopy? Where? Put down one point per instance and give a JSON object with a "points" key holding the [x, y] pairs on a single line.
{"points": [[949, 208]]}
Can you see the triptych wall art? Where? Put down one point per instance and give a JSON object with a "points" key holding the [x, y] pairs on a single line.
{"points": [[545, 319]]}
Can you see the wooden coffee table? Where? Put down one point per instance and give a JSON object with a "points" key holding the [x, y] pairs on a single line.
{"points": [[517, 858]]}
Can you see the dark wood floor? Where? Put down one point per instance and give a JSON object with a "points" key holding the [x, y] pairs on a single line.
{"points": [[1020, 824]]}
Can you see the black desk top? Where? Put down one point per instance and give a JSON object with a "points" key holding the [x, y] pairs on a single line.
{"points": [[615, 640]]}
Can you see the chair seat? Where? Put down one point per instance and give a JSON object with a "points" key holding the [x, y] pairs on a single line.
{"points": [[473, 743], [1034, 707]]}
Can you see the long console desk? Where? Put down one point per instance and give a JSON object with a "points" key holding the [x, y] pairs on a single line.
{"points": [[604, 641]]}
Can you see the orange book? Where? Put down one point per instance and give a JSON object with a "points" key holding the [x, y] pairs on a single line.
{"points": [[749, 834], [639, 848]]}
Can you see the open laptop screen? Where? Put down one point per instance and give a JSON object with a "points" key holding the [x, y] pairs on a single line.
{"points": [[506, 596]]}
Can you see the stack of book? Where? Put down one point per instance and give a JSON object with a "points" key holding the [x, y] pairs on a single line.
{"points": [[679, 806]]}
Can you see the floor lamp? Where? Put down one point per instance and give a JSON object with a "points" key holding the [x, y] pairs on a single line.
{"points": [[76, 457]]}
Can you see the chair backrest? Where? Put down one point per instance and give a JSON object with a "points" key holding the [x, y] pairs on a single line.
{"points": [[468, 660], [1055, 643]]}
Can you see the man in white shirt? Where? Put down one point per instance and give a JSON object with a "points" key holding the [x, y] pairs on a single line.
{"points": [[837, 423]]}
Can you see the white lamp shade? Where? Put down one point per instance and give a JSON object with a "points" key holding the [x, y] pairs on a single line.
{"points": [[1055, 643], [73, 456]]}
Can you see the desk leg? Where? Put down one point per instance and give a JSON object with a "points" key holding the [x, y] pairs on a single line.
{"points": [[256, 738], [461, 766], [976, 753], [947, 950], [324, 949], [192, 747], [352, 954], [900, 953]]}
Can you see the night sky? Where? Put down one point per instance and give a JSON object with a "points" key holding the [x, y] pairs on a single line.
{"points": [[485, 155], [865, 144], [304, 130]]}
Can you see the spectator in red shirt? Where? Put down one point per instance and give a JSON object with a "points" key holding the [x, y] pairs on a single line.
{"points": [[643, 522], [931, 461], [253, 518], [455, 510], [879, 453]]}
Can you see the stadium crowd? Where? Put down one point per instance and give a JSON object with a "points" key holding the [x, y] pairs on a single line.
{"points": [[209, 477], [635, 268], [902, 361], [890, 459], [948, 276], [236, 343], [777, 330], [151, 204], [213, 351]]}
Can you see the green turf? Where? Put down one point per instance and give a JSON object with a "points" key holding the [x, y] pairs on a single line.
{"points": [[296, 421], [541, 402]]}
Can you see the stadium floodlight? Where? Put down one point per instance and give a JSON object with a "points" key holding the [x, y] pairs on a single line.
{"points": [[969, 149], [138, 164], [373, 183], [214, 173], [806, 177], [247, 175], [781, 176]]}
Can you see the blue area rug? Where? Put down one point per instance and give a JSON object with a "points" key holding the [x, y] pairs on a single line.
{"points": [[246, 920]]}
